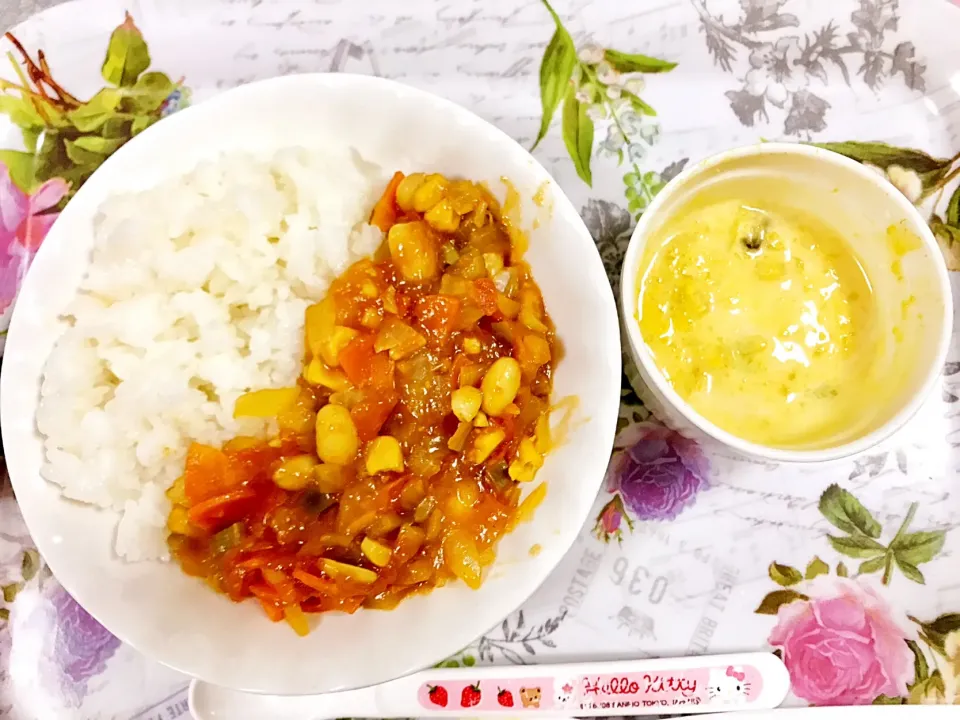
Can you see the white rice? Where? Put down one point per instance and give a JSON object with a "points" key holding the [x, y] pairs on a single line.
{"points": [[195, 294]]}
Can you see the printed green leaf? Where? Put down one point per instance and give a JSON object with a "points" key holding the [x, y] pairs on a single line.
{"points": [[784, 575], [910, 571], [921, 692], [921, 670], [21, 111], [578, 135], [556, 69], [80, 156], [948, 238], [856, 546], [141, 123], [774, 600], [887, 700], [953, 209], [10, 591], [4, 614], [845, 512], [872, 566], [816, 567], [127, 55], [639, 105], [30, 564], [21, 166], [883, 155], [149, 93], [918, 547], [30, 138], [842, 570], [95, 112], [99, 145], [117, 127], [555, 72], [938, 630], [631, 63]]}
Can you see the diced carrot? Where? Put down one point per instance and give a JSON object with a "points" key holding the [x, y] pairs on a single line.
{"points": [[372, 412], [208, 473], [484, 294], [220, 511], [384, 213], [438, 316], [248, 463], [382, 374], [356, 359]]}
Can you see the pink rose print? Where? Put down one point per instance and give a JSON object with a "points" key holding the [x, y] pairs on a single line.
{"points": [[844, 645], [23, 226]]}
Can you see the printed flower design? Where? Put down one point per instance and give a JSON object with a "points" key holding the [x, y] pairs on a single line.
{"points": [[948, 663], [609, 521], [906, 181], [655, 473], [82, 645], [779, 70], [873, 19], [24, 222], [772, 72], [176, 100], [844, 644], [841, 640], [595, 85]]}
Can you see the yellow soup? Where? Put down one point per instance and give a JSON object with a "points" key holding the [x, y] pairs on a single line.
{"points": [[763, 319]]}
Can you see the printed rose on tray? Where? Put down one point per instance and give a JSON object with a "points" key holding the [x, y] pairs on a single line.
{"points": [[842, 640], [654, 474], [64, 139]]}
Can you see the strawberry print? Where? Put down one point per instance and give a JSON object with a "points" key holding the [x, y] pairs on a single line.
{"points": [[470, 696], [437, 695], [505, 698]]}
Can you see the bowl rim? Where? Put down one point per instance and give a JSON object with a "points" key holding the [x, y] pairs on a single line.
{"points": [[603, 411], [641, 354]]}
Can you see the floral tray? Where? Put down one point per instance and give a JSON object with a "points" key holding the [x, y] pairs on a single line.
{"points": [[849, 572]]}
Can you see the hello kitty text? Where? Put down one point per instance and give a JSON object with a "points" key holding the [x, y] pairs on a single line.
{"points": [[648, 685]]}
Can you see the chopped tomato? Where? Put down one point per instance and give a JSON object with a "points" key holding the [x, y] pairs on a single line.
{"points": [[356, 359], [384, 213], [208, 472], [484, 294], [372, 412], [438, 316], [221, 510]]}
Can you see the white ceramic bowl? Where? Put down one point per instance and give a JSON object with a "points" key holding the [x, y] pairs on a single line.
{"points": [[862, 205], [176, 619]]}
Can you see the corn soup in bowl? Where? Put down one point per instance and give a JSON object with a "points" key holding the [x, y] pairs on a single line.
{"points": [[786, 302]]}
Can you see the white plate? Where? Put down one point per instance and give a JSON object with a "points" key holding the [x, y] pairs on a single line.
{"points": [[691, 579], [176, 619]]}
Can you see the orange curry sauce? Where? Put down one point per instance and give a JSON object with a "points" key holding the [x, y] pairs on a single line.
{"points": [[423, 405]]}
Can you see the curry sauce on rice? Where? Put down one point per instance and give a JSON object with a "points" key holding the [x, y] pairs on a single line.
{"points": [[315, 412]]}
